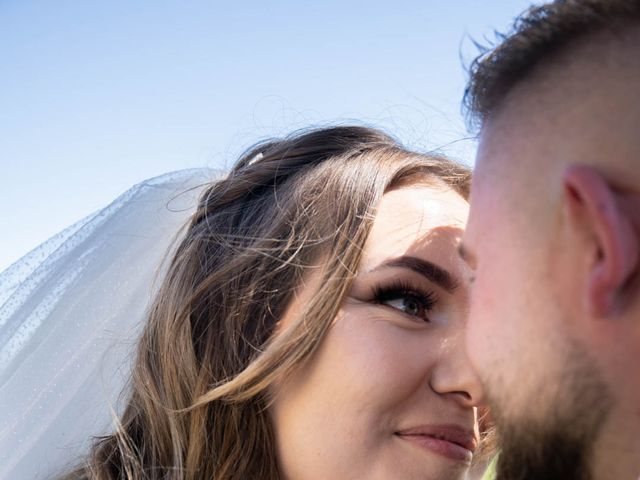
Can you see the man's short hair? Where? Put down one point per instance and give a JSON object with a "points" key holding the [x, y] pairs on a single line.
{"points": [[539, 33]]}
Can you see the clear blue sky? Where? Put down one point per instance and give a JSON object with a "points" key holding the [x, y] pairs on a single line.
{"points": [[97, 96]]}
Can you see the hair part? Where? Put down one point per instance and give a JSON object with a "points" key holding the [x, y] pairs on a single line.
{"points": [[208, 353], [538, 34]]}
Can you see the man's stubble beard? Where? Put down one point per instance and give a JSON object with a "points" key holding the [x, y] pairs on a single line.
{"points": [[560, 446]]}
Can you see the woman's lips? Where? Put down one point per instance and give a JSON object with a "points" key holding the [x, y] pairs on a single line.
{"points": [[451, 441]]}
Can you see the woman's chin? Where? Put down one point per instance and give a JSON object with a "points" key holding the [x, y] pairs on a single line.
{"points": [[407, 461]]}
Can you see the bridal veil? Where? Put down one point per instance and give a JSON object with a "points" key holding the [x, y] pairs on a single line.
{"points": [[70, 314]]}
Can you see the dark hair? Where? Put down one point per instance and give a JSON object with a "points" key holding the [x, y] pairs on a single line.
{"points": [[207, 356], [537, 34]]}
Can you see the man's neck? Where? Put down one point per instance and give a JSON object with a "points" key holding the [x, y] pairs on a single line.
{"points": [[617, 453]]}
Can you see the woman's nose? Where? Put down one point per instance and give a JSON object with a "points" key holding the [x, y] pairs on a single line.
{"points": [[454, 376]]}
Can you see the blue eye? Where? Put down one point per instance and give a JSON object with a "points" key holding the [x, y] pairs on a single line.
{"points": [[409, 305], [405, 299]]}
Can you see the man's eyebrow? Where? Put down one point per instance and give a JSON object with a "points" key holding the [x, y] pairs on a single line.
{"points": [[466, 255], [429, 270]]}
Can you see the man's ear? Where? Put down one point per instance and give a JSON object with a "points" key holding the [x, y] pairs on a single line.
{"points": [[612, 222]]}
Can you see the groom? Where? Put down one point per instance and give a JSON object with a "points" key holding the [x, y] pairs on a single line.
{"points": [[554, 240]]}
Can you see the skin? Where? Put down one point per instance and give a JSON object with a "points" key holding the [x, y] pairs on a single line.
{"points": [[381, 369], [553, 241]]}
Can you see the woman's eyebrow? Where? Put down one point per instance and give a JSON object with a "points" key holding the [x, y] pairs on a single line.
{"points": [[429, 270]]}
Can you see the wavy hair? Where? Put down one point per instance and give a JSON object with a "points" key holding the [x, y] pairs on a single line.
{"points": [[198, 405]]}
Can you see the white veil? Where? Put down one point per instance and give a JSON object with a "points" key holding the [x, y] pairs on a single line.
{"points": [[70, 314]]}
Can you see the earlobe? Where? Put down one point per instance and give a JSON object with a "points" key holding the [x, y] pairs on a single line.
{"points": [[610, 220]]}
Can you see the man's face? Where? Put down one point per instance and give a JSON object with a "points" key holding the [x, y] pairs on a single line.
{"points": [[519, 333], [542, 371], [546, 395]]}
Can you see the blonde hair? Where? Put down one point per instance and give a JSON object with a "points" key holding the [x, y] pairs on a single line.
{"points": [[207, 355]]}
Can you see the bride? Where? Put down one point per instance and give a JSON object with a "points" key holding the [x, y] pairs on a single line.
{"points": [[305, 325]]}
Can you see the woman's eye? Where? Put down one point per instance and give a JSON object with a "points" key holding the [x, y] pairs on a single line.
{"points": [[409, 305]]}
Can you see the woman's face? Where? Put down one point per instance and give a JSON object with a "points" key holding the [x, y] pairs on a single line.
{"points": [[389, 394]]}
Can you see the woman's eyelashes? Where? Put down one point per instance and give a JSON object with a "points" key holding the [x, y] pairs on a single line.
{"points": [[406, 298]]}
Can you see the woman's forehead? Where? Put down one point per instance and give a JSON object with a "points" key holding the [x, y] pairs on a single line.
{"points": [[416, 218]]}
